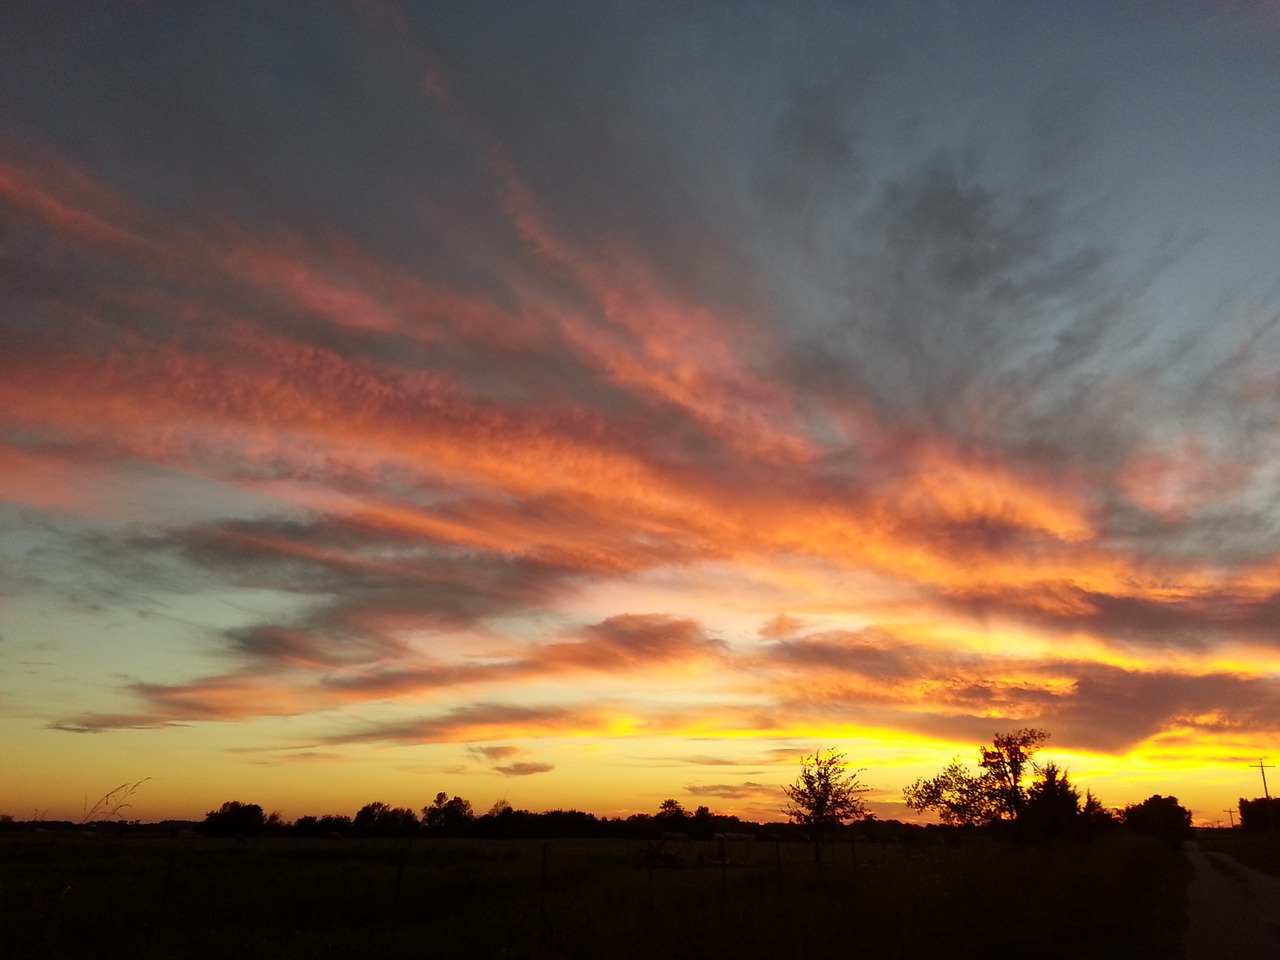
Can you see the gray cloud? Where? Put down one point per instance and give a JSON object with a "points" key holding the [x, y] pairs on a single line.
{"points": [[522, 768], [747, 790], [458, 722]]}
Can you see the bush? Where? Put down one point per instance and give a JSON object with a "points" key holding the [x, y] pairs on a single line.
{"points": [[1160, 817]]}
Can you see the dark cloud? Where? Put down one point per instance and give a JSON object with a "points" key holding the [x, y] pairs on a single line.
{"points": [[523, 768], [870, 653], [474, 722], [1110, 709], [625, 642], [747, 790], [270, 644], [102, 722], [631, 640], [1199, 622]]}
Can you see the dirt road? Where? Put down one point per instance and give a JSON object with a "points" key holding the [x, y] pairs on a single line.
{"points": [[1232, 910]]}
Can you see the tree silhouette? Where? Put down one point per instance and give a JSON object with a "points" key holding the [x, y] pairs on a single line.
{"points": [[448, 817], [1052, 805], [234, 819], [1094, 816], [1005, 762], [672, 817], [1259, 814], [960, 797], [1160, 817], [824, 796], [380, 820]]}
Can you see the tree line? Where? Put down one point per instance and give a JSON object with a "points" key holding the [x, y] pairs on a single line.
{"points": [[447, 817], [1008, 793]]}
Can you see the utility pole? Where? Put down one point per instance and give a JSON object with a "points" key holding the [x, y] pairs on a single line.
{"points": [[1263, 768], [1232, 814], [1271, 817]]}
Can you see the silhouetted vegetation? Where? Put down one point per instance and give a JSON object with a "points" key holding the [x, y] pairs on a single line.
{"points": [[1050, 806], [234, 819], [962, 798], [1259, 815], [824, 796], [1161, 818], [448, 817], [566, 883], [329, 826], [112, 804], [380, 820], [1004, 763]]}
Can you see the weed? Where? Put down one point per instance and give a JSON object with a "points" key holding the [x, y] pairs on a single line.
{"points": [[112, 804]]}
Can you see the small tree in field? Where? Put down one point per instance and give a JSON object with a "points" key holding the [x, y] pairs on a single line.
{"points": [[824, 796]]}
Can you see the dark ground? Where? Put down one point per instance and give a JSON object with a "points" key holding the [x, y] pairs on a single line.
{"points": [[70, 896]]}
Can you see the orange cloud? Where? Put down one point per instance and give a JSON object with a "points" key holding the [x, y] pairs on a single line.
{"points": [[459, 456]]}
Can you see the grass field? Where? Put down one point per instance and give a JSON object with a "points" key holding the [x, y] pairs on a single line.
{"points": [[68, 896]]}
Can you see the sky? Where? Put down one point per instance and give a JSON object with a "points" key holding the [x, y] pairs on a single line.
{"points": [[589, 404]]}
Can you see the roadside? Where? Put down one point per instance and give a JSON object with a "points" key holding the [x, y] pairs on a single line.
{"points": [[1232, 910]]}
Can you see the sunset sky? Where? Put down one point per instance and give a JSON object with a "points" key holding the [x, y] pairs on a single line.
{"points": [[589, 404]]}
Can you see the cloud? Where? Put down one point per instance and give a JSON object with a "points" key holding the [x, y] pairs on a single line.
{"points": [[515, 768], [635, 640], [495, 753], [524, 768], [869, 653], [703, 760], [747, 790], [1111, 710], [276, 756], [480, 721], [781, 626], [455, 397]]}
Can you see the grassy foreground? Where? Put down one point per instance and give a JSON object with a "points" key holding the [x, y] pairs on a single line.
{"points": [[1120, 896]]}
